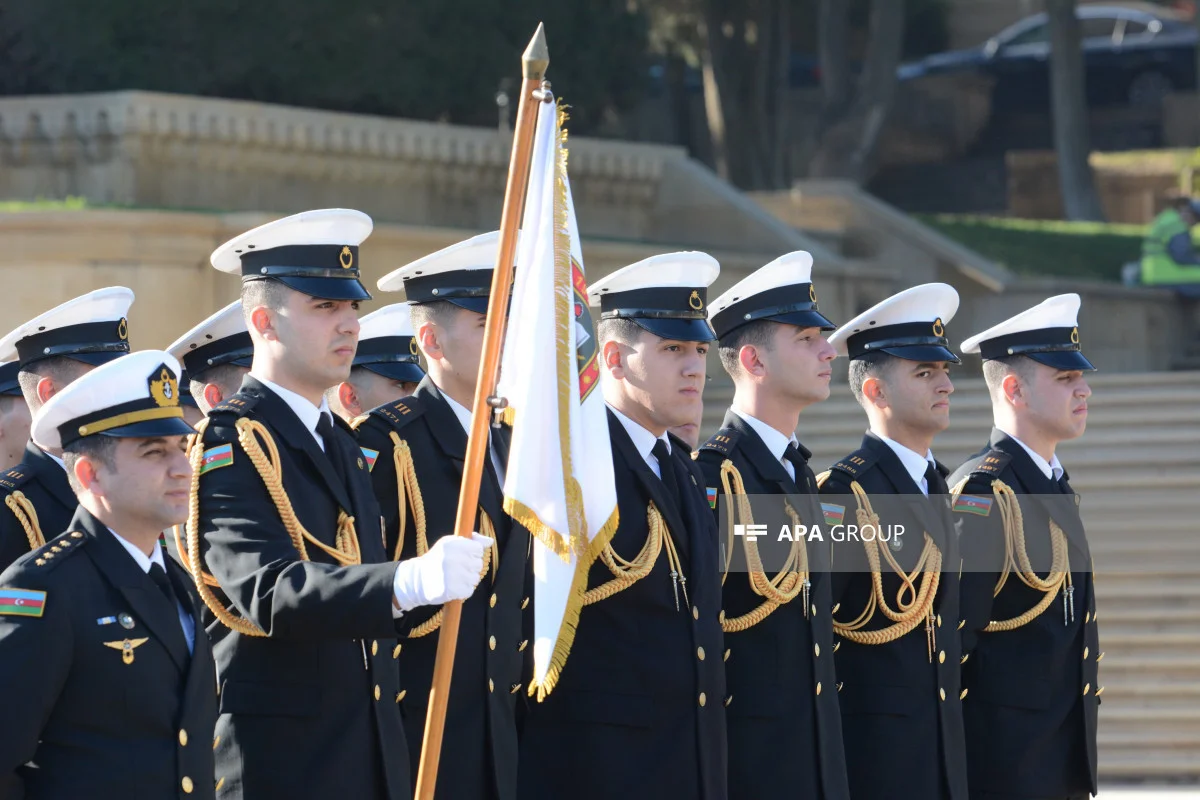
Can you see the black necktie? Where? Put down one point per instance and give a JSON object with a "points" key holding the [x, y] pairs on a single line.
{"points": [[667, 469], [159, 575], [937, 484], [799, 463], [325, 431]]}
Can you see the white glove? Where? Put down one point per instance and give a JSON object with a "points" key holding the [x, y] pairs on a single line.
{"points": [[449, 571]]}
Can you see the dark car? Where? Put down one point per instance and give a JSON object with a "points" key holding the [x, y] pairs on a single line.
{"points": [[1134, 55]]}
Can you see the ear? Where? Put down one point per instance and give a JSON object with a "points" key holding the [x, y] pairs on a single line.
{"points": [[613, 358], [45, 390], [427, 339], [212, 395], [263, 322], [349, 398], [873, 392], [1012, 389], [85, 473], [750, 362]]}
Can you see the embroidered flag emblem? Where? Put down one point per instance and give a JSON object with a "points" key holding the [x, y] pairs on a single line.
{"points": [[370, 455], [834, 514], [216, 457], [22, 602], [711, 492], [973, 504]]}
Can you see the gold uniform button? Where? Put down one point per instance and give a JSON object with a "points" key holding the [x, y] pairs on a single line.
{"points": [[220, 783], [1085, 654], [1099, 658], [963, 694], [939, 620], [1087, 617], [942, 657], [700, 653], [728, 700], [182, 738], [374, 647], [814, 609], [521, 647], [400, 695], [818, 687], [216, 741], [491, 685], [836, 646], [963, 660], [76, 535], [516, 687], [942, 693], [834, 610], [703, 699], [524, 603], [816, 651], [1087, 687], [492, 600], [727, 652], [492, 643], [695, 612], [377, 692], [396, 651], [840, 685], [186, 785], [1100, 691], [961, 623]]}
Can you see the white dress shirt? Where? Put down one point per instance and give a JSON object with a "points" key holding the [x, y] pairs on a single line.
{"points": [[1052, 469], [308, 414], [56, 459], [643, 441], [775, 441], [144, 563], [464, 418], [914, 463]]}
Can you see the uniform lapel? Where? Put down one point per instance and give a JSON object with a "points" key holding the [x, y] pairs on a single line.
{"points": [[893, 469], [769, 468], [139, 590], [452, 439], [1057, 502], [201, 648], [292, 434]]}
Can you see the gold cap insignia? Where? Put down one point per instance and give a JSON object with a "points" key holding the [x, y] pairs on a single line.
{"points": [[812, 293], [412, 345], [938, 328], [695, 301], [346, 257], [123, 329], [164, 389], [1075, 336]]}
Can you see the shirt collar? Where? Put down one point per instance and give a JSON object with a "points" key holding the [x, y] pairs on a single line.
{"points": [[914, 463], [56, 459], [775, 441], [462, 412], [144, 561], [643, 439], [1052, 469], [308, 414]]}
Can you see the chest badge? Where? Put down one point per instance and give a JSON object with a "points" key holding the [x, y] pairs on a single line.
{"points": [[127, 646]]}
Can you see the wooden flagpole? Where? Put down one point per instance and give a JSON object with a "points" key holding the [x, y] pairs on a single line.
{"points": [[534, 62]]}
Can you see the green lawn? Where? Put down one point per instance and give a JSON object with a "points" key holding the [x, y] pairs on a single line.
{"points": [[70, 204], [1041, 247]]}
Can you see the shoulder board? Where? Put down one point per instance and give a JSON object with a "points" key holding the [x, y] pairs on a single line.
{"points": [[399, 413], [990, 464], [238, 406], [55, 551], [15, 477], [856, 463], [723, 441]]}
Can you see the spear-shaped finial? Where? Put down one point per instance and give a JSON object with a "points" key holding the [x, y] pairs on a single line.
{"points": [[537, 56]]}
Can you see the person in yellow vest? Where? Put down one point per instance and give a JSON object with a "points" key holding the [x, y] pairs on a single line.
{"points": [[1169, 258]]}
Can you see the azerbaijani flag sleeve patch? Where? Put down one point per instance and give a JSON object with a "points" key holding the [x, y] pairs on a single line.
{"points": [[973, 504], [711, 493], [834, 514], [22, 602], [370, 455], [216, 457]]}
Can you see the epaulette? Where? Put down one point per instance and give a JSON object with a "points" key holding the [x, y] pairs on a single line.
{"points": [[14, 478], [239, 405], [990, 464], [856, 463], [399, 413], [56, 550], [723, 441]]}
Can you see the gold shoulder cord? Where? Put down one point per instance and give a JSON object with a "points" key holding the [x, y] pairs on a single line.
{"points": [[790, 581], [1016, 560], [913, 604], [408, 494], [345, 551], [26, 514], [628, 572]]}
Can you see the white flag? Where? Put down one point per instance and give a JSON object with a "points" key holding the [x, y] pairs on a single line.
{"points": [[559, 479]]}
